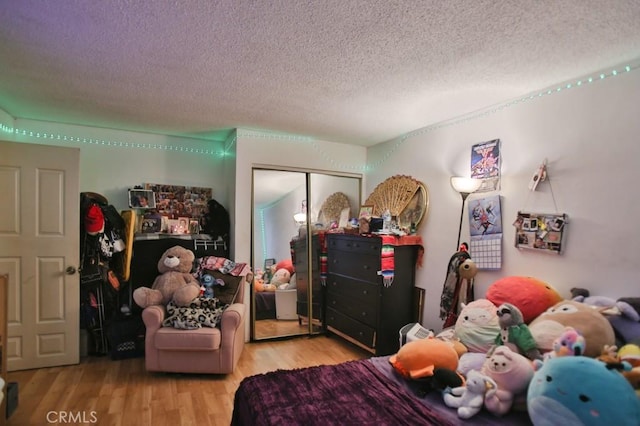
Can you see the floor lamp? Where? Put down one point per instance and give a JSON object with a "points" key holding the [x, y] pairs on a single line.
{"points": [[464, 186]]}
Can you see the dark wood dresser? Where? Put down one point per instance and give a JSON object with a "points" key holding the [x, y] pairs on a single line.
{"points": [[360, 306], [299, 254]]}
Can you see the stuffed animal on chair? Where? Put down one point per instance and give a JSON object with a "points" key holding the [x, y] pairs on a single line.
{"points": [[174, 283]]}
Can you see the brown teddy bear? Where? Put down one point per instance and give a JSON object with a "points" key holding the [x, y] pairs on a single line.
{"points": [[174, 282]]}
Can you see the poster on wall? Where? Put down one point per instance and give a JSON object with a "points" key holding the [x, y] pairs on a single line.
{"points": [[485, 164], [174, 201], [485, 226]]}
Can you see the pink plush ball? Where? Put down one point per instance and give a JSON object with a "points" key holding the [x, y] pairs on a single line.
{"points": [[531, 295]]}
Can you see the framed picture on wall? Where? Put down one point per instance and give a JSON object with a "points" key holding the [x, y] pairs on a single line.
{"points": [[366, 211], [142, 199], [540, 231]]}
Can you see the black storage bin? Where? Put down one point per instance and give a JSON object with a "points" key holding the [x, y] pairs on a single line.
{"points": [[126, 337], [12, 398]]}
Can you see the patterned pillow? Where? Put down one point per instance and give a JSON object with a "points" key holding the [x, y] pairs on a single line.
{"points": [[201, 312]]}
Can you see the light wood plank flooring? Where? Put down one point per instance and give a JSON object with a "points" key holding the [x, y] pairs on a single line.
{"points": [[106, 392]]}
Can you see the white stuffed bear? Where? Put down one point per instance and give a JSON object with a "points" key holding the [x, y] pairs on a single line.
{"points": [[469, 399]]}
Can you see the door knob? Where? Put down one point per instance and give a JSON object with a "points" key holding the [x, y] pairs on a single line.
{"points": [[70, 270]]}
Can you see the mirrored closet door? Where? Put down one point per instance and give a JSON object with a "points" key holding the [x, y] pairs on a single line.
{"points": [[287, 297]]}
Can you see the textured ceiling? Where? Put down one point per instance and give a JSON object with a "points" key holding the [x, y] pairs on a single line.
{"points": [[352, 71]]}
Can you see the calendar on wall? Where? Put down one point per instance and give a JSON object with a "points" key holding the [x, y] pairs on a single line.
{"points": [[485, 225]]}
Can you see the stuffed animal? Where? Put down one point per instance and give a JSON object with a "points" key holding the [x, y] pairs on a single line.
{"points": [[1, 390], [477, 325], [260, 285], [569, 343], [174, 283], [531, 295], [469, 399], [208, 282], [419, 358], [611, 356], [285, 264], [281, 276], [591, 324], [515, 333], [442, 379], [512, 373], [577, 390], [458, 285], [606, 305]]}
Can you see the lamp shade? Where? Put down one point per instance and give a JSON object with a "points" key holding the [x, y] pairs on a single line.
{"points": [[465, 185], [300, 218]]}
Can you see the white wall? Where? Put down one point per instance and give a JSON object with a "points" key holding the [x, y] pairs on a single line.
{"points": [[255, 148], [110, 169], [589, 135]]}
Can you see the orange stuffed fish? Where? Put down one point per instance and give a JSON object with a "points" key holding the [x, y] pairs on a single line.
{"points": [[419, 358]]}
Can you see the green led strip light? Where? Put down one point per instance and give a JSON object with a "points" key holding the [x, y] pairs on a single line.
{"points": [[304, 139]]}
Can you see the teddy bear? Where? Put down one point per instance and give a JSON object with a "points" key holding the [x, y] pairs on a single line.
{"points": [[512, 373], [175, 283], [469, 399]]}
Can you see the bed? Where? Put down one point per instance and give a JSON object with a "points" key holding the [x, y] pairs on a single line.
{"points": [[265, 305], [362, 392]]}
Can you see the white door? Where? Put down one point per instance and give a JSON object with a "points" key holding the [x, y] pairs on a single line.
{"points": [[39, 249]]}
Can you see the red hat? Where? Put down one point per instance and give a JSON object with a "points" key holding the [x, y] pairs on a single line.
{"points": [[94, 220]]}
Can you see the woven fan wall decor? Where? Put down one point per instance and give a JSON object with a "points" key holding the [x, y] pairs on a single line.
{"points": [[398, 193], [332, 207]]}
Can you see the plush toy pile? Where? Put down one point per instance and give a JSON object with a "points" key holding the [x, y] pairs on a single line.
{"points": [[276, 277], [526, 348], [190, 303]]}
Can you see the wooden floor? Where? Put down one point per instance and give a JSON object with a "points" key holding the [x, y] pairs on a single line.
{"points": [[101, 391]]}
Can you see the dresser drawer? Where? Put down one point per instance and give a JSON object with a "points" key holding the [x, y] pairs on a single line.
{"points": [[355, 244], [362, 266], [348, 288], [354, 308], [352, 328]]}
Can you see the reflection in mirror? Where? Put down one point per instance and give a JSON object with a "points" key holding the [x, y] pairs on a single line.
{"points": [[287, 295]]}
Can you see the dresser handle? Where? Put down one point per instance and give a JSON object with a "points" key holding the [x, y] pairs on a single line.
{"points": [[367, 267], [364, 314]]}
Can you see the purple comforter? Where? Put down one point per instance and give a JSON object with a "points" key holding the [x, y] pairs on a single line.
{"points": [[351, 393]]}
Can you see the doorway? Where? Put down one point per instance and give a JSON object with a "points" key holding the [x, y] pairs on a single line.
{"points": [[287, 206]]}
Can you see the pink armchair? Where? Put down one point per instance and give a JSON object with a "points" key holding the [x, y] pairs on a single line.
{"points": [[204, 350]]}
